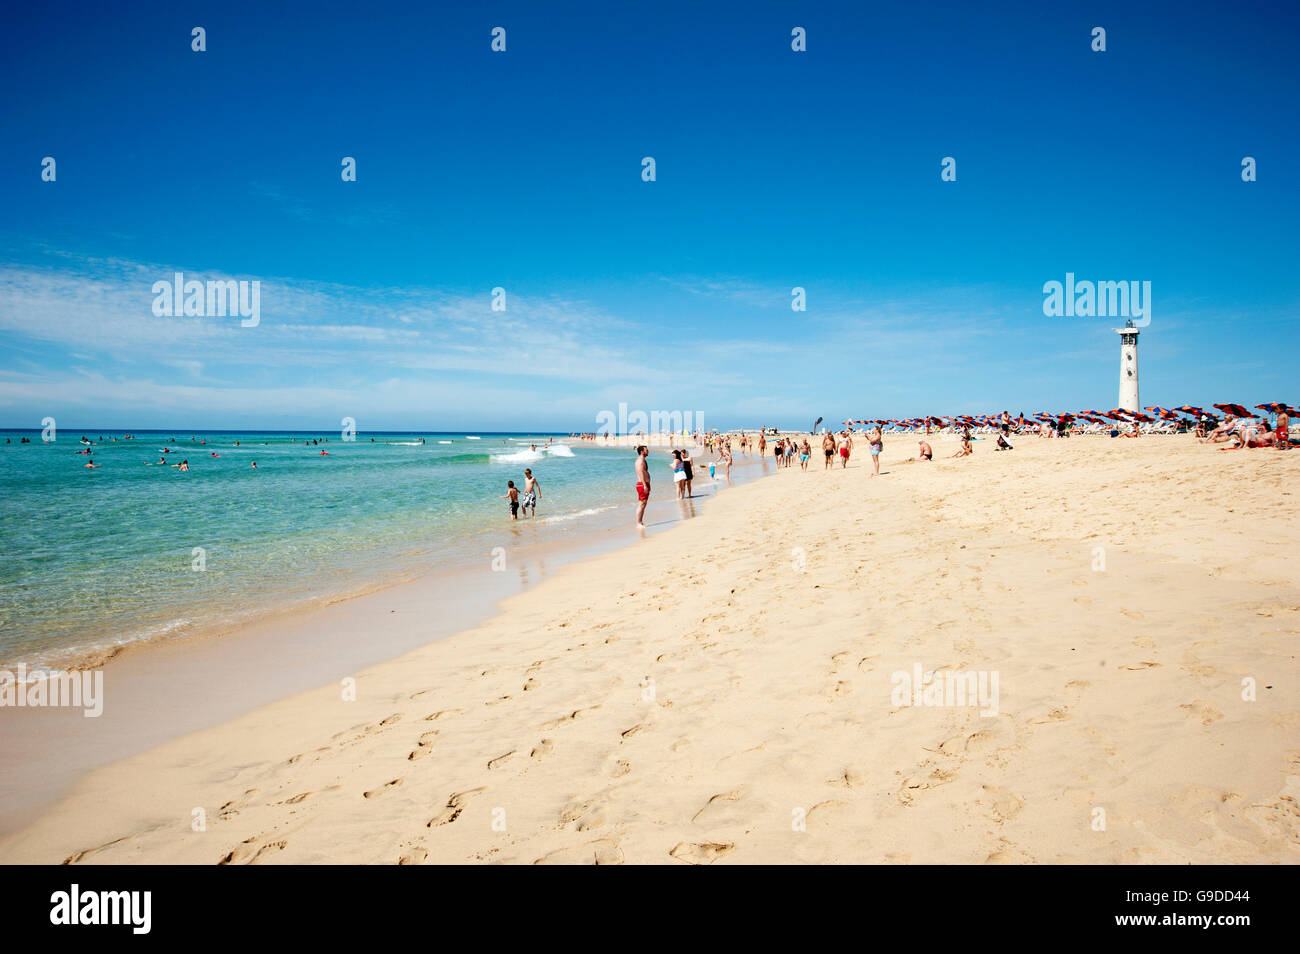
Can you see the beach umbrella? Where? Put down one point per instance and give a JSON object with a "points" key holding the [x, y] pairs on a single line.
{"points": [[1236, 410], [1274, 407]]}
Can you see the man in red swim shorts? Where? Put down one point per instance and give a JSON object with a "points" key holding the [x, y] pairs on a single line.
{"points": [[642, 483]]}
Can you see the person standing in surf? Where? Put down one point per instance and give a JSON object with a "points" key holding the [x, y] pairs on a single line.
{"points": [[532, 493], [642, 484]]}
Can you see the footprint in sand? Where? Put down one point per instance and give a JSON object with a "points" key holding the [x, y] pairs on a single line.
{"points": [[500, 760], [424, 745], [639, 727], [301, 755], [967, 743], [563, 720], [542, 749], [415, 855], [824, 813], [617, 768], [376, 792], [704, 853], [603, 851], [587, 814], [78, 856], [1008, 854], [721, 809], [247, 852], [1005, 805], [442, 714], [838, 690], [908, 791], [1141, 665], [1204, 710], [1058, 714], [455, 805]]}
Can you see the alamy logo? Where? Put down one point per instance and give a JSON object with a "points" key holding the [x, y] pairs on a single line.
{"points": [[53, 689], [1086, 299], [214, 299], [946, 689], [655, 422], [74, 906]]}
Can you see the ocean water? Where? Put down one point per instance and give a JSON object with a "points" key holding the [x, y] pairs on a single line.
{"points": [[93, 558]]}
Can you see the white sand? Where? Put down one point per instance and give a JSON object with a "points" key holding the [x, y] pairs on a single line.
{"points": [[693, 697]]}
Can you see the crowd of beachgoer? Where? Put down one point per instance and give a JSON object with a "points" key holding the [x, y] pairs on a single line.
{"points": [[1241, 433]]}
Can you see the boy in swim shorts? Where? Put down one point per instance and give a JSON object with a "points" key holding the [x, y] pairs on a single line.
{"points": [[513, 493]]}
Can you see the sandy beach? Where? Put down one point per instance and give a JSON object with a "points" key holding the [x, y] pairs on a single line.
{"points": [[726, 691]]}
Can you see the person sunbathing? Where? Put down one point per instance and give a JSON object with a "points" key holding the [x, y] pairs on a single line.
{"points": [[966, 449], [1252, 437], [1223, 433]]}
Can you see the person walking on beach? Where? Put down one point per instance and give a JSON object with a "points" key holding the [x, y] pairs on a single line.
{"points": [[512, 492], [877, 444], [805, 451], [688, 469], [642, 484], [846, 448], [1282, 429], [532, 493], [828, 449], [679, 474]]}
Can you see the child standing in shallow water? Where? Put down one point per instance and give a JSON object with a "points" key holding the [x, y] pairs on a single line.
{"points": [[513, 493]]}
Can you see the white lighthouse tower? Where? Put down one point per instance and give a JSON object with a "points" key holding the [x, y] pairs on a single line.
{"points": [[1128, 367]]}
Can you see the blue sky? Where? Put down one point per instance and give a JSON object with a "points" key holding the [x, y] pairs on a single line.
{"points": [[522, 170]]}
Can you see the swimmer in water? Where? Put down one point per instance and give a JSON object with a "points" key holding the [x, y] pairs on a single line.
{"points": [[254, 465]]}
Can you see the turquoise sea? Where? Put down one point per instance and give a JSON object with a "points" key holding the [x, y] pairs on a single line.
{"points": [[93, 558]]}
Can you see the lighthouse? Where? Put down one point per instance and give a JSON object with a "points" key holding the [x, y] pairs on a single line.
{"points": [[1128, 367]]}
